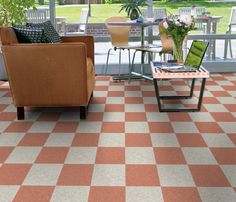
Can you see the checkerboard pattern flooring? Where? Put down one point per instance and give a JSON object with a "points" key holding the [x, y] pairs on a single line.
{"points": [[126, 150]]}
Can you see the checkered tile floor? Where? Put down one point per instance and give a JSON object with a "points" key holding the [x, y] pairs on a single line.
{"points": [[126, 150]]}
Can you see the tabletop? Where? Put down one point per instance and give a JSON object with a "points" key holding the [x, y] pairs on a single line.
{"points": [[133, 23], [159, 74]]}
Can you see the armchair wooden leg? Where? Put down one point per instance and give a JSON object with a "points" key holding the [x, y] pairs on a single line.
{"points": [[20, 113], [83, 112]]}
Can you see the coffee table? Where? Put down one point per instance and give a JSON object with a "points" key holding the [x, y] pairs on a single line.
{"points": [[159, 74]]}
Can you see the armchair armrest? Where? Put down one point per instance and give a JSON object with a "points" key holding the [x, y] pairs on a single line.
{"points": [[87, 39]]}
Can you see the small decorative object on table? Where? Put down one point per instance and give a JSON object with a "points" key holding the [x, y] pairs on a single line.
{"points": [[178, 27]]}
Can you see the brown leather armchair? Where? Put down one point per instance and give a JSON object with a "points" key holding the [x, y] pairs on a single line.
{"points": [[49, 75]]}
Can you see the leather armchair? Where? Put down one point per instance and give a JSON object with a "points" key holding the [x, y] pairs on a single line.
{"points": [[49, 75]]}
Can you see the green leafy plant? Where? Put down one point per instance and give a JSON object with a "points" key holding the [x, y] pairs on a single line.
{"points": [[132, 6], [13, 11], [61, 2]]}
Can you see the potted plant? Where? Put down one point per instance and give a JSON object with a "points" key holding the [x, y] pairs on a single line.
{"points": [[132, 8], [12, 12]]}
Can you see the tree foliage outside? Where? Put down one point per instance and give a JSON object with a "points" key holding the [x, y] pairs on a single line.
{"points": [[13, 11], [61, 2]]}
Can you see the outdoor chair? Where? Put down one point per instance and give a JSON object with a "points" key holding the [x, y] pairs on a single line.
{"points": [[193, 11], [158, 14], [166, 47], [231, 28], [81, 26], [49, 74], [119, 39], [37, 15]]}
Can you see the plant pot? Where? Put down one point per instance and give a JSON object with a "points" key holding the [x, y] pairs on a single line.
{"points": [[134, 14]]}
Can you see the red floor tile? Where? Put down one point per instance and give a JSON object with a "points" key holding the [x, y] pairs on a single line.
{"points": [[225, 155], [101, 88], [114, 108], [98, 100], [160, 127], [229, 88], [220, 93], [19, 127], [230, 107], [110, 155], [34, 193], [115, 94], [179, 116], [180, 194], [103, 78], [13, 174], [148, 93], [3, 106], [142, 175], [140, 140], [135, 116], [76, 175], [208, 127], [211, 83], [177, 82], [113, 127], [49, 116], [208, 176], [191, 140], [107, 194], [86, 140], [133, 100], [223, 116], [151, 107], [7, 116], [169, 156], [233, 138], [34, 139], [132, 88], [4, 153], [210, 100], [65, 127], [52, 155], [94, 116]]}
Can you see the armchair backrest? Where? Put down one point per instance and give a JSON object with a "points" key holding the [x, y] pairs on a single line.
{"points": [[7, 36]]}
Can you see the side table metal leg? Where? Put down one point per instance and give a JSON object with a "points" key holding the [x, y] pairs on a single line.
{"points": [[201, 94], [157, 93], [192, 88]]}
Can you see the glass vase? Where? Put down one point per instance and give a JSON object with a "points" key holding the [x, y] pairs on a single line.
{"points": [[178, 51]]}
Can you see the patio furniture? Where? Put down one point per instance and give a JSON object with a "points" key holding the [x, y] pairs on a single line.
{"points": [[158, 14], [193, 11], [119, 38], [165, 48], [231, 28], [49, 75], [197, 51], [37, 15], [81, 26]]}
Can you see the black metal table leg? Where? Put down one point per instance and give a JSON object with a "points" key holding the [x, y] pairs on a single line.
{"points": [[159, 98]]}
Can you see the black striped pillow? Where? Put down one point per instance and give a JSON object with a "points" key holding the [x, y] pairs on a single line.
{"points": [[51, 35], [28, 35]]}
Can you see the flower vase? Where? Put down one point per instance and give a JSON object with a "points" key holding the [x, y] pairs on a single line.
{"points": [[178, 51]]}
